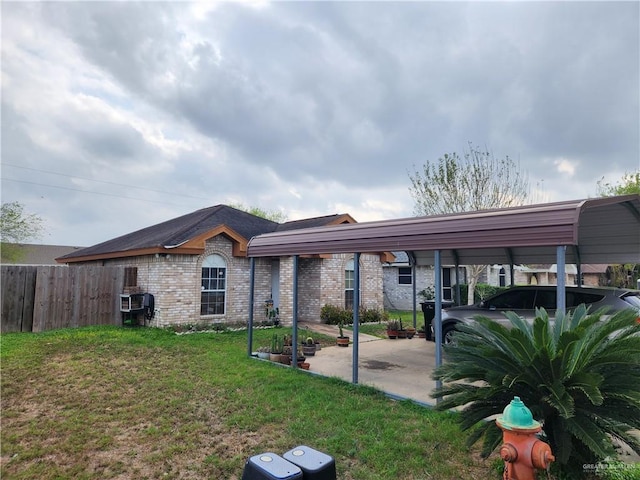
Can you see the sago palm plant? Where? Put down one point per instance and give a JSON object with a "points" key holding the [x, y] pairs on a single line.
{"points": [[579, 375]]}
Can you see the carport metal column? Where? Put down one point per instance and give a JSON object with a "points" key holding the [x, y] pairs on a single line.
{"points": [[252, 278], [356, 315], [437, 321], [414, 288], [294, 336], [561, 297]]}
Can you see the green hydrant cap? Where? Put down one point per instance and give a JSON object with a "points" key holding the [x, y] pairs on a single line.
{"points": [[517, 415]]}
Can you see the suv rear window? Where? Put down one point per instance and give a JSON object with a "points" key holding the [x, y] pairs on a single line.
{"points": [[546, 299], [577, 298], [512, 299]]}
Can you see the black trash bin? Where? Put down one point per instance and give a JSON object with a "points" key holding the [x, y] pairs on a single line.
{"points": [[429, 312]]}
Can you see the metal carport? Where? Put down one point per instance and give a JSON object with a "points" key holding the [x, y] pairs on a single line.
{"points": [[600, 230]]}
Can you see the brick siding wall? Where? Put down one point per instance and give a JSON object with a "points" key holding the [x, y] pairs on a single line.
{"points": [[400, 297], [175, 282]]}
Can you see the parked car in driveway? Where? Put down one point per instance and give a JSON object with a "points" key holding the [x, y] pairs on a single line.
{"points": [[525, 299]]}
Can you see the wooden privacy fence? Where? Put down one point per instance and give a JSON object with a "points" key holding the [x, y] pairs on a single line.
{"points": [[39, 298]]}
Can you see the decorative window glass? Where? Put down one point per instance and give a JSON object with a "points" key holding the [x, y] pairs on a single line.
{"points": [[349, 283], [214, 286], [404, 276]]}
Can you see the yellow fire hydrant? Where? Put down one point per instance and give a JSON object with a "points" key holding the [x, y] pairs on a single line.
{"points": [[522, 451]]}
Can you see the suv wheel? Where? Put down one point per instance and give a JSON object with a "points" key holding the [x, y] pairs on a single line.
{"points": [[447, 334]]}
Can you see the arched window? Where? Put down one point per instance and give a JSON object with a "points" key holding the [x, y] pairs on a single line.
{"points": [[502, 277], [214, 285]]}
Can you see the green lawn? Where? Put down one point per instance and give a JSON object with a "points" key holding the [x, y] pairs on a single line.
{"points": [[380, 329], [115, 403]]}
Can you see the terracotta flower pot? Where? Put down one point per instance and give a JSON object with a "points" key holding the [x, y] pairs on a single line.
{"points": [[342, 341], [285, 359], [274, 357], [392, 334]]}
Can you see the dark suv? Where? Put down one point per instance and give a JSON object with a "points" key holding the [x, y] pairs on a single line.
{"points": [[524, 300]]}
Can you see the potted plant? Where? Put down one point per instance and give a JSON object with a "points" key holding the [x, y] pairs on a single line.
{"points": [[276, 348], [392, 329], [264, 352], [411, 331], [272, 314], [422, 333], [402, 332], [301, 360], [342, 340], [309, 347], [287, 352]]}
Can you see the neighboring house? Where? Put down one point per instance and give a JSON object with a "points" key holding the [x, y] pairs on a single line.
{"points": [[398, 280], [197, 269], [593, 275], [596, 275], [544, 274], [33, 254]]}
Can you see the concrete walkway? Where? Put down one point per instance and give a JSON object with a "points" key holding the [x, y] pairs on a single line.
{"points": [[400, 368]]}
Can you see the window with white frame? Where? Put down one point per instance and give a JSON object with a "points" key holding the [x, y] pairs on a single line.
{"points": [[214, 285], [349, 283]]}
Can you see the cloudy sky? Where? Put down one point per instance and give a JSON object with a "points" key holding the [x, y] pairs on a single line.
{"points": [[120, 115]]}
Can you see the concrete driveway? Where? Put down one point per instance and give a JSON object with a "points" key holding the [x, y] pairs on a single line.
{"points": [[400, 368]]}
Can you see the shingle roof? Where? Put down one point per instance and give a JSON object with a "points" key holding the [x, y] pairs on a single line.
{"points": [[335, 219], [178, 231]]}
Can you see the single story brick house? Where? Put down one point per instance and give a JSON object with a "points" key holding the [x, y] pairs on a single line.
{"points": [[197, 269]]}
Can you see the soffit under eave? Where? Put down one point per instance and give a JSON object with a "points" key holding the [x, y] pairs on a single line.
{"points": [[113, 255], [345, 218]]}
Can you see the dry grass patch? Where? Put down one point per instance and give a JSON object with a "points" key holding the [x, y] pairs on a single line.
{"points": [[114, 403]]}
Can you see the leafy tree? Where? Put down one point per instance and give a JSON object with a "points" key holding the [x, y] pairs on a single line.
{"points": [[626, 275], [17, 227], [580, 376], [475, 181], [273, 215], [630, 183]]}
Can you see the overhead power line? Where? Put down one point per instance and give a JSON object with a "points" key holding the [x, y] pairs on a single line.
{"points": [[138, 187], [97, 193]]}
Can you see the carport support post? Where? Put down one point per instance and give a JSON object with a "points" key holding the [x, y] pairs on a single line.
{"points": [[561, 300], [414, 288], [294, 336], [356, 314], [252, 278], [437, 321]]}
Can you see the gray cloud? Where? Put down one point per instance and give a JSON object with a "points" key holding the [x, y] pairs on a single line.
{"points": [[311, 107]]}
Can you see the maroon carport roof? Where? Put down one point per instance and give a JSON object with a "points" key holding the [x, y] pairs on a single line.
{"points": [[599, 230]]}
